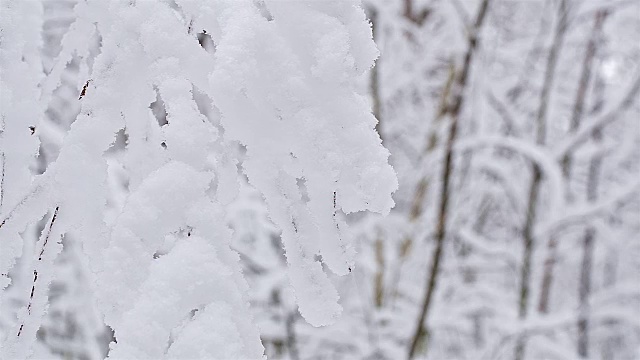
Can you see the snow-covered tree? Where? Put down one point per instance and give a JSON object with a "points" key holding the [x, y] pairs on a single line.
{"points": [[188, 176], [263, 89]]}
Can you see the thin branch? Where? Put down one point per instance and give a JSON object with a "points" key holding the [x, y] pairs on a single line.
{"points": [[53, 220], [32, 192], [585, 132], [46, 233], [511, 128]]}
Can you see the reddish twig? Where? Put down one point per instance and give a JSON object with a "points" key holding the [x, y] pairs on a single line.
{"points": [[35, 272], [84, 90]]}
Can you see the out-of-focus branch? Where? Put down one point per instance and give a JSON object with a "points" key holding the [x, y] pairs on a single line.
{"points": [[536, 181], [585, 77], [598, 124], [510, 126], [292, 343], [584, 290], [420, 336], [410, 14], [597, 7], [532, 56], [576, 118], [29, 197], [464, 16], [533, 152], [379, 276], [374, 79], [417, 203], [581, 213]]}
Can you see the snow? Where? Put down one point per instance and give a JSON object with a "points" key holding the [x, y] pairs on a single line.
{"points": [[151, 211]]}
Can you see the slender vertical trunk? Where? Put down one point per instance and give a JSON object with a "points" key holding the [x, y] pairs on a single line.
{"points": [[587, 257], [576, 117], [534, 189], [453, 109]]}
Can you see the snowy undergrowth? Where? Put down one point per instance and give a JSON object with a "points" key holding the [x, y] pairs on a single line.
{"points": [[281, 82]]}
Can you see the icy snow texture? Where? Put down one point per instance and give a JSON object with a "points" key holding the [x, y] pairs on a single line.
{"points": [[283, 83], [293, 104], [19, 109]]}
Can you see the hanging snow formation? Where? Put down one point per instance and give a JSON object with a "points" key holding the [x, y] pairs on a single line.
{"points": [[281, 82]]}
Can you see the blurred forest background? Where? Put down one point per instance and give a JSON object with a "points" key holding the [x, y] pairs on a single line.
{"points": [[514, 127]]}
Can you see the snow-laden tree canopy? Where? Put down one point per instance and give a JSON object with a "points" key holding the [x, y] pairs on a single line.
{"points": [[280, 80]]}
